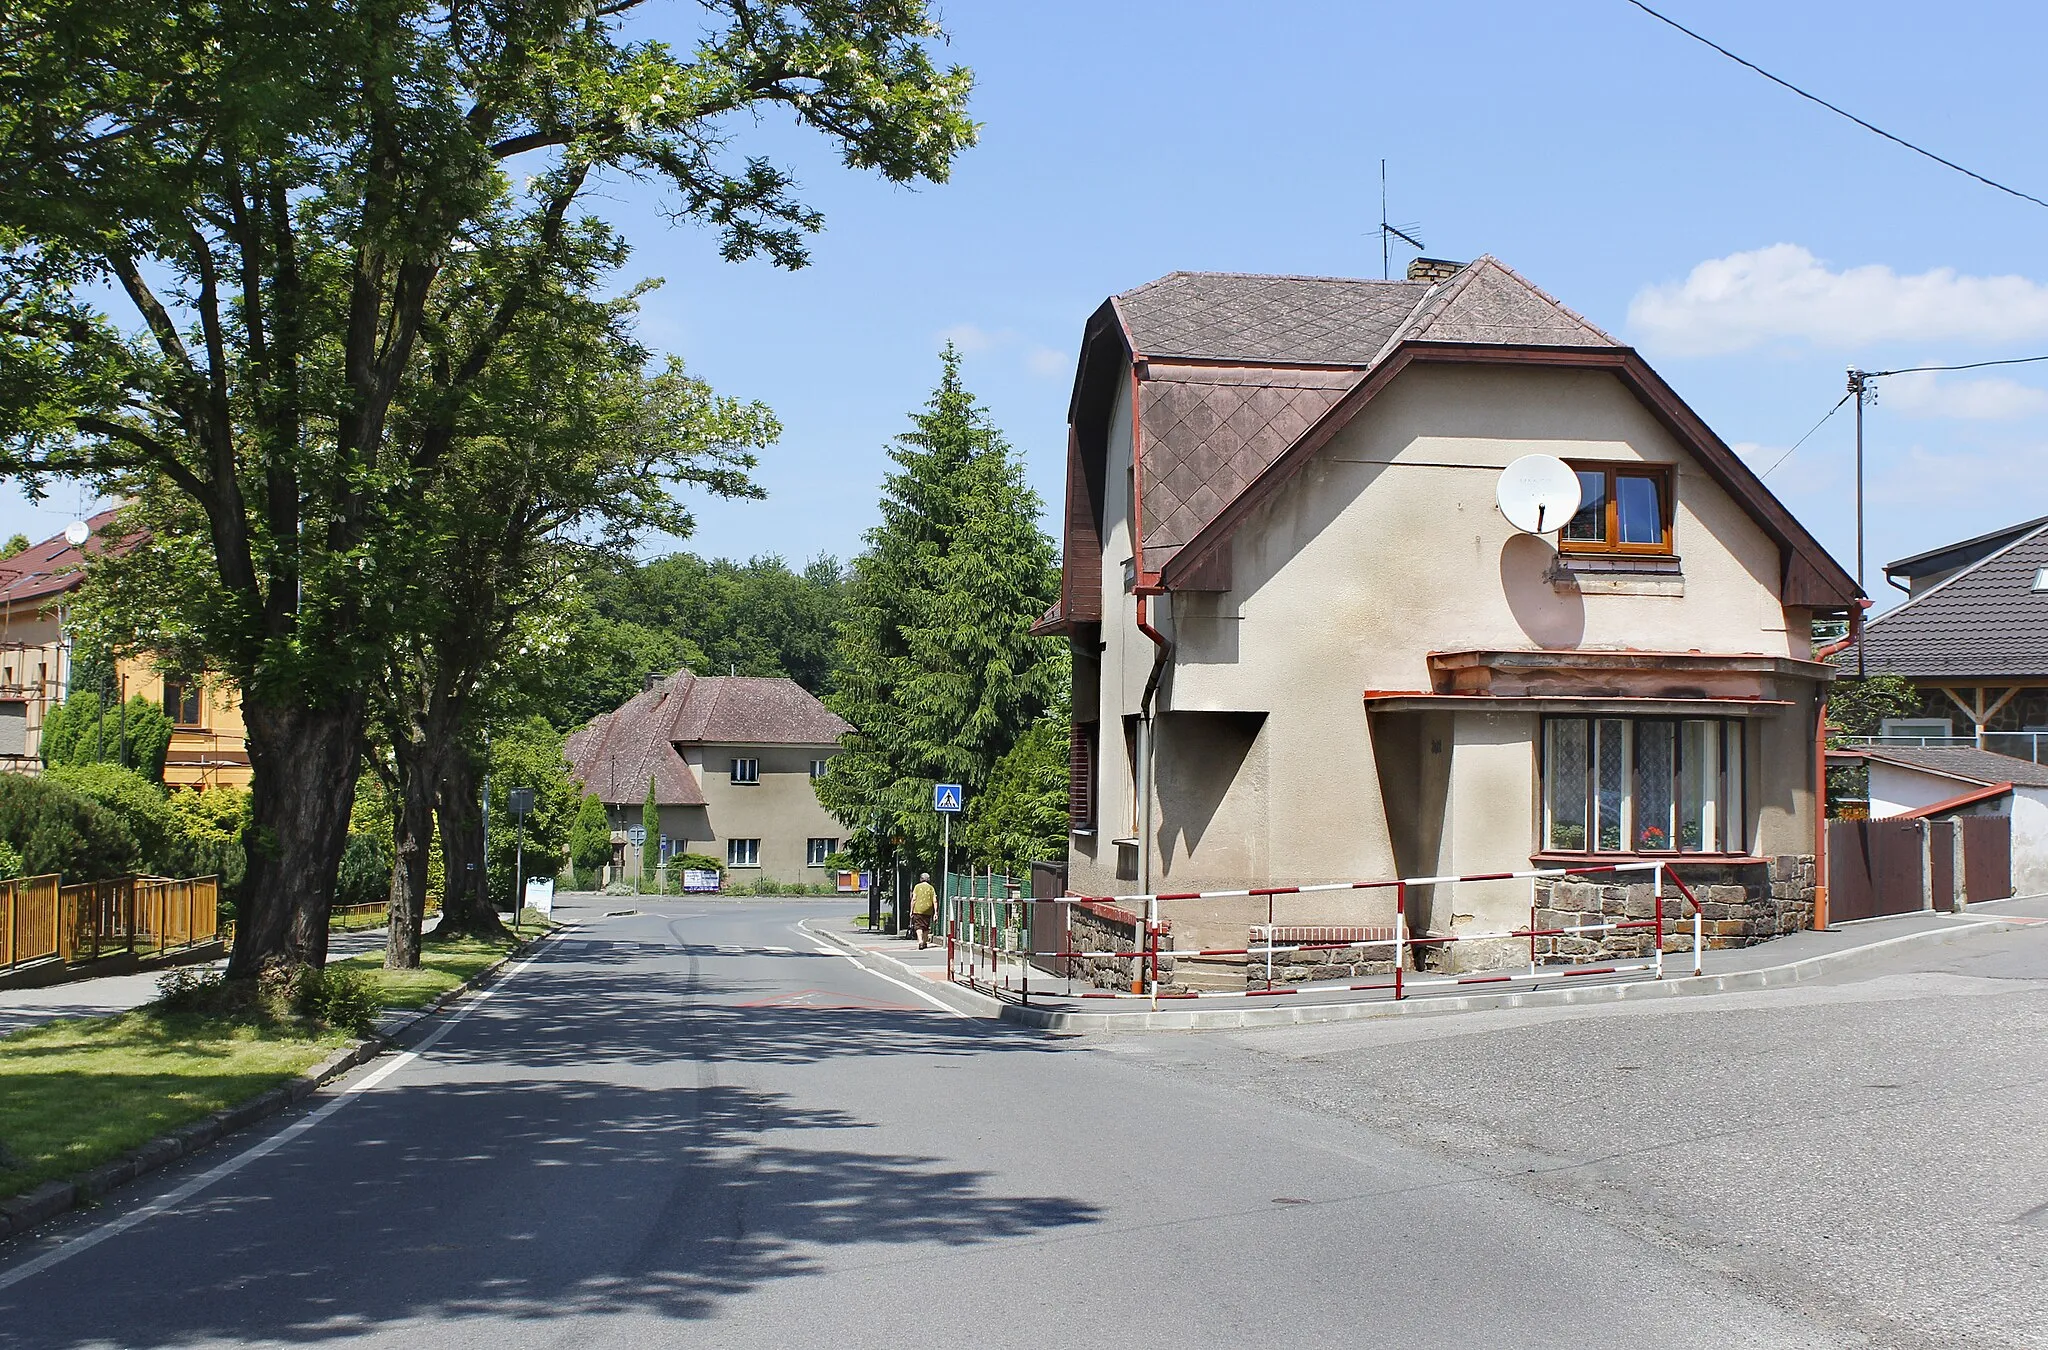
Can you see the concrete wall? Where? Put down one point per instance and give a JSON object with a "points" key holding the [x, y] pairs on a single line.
{"points": [[2030, 841], [1389, 546], [1895, 790]]}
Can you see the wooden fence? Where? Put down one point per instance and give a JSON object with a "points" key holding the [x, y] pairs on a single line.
{"points": [[1900, 865], [28, 920], [91, 919]]}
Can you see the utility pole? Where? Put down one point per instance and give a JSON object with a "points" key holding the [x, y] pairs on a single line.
{"points": [[1858, 382]]}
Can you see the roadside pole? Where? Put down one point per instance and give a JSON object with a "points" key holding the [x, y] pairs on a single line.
{"points": [[946, 799], [519, 801]]}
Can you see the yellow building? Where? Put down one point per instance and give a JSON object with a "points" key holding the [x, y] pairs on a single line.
{"points": [[209, 745]]}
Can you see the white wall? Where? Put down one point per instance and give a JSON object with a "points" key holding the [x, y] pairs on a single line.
{"points": [[2030, 841], [1895, 790]]}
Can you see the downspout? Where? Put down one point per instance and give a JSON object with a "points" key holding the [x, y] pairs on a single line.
{"points": [[1161, 647], [1820, 770]]}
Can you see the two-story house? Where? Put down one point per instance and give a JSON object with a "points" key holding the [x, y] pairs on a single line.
{"points": [[1308, 647], [733, 760]]}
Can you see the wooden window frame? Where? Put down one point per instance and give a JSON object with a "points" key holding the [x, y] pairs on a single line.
{"points": [[1611, 545], [1729, 803], [752, 777], [189, 689]]}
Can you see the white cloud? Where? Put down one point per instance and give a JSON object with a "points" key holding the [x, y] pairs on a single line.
{"points": [[971, 338], [1728, 304], [1047, 361], [1992, 399]]}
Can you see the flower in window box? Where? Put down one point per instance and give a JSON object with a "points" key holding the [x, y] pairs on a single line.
{"points": [[1653, 840]]}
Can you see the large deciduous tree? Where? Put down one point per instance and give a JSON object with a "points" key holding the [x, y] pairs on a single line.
{"points": [[937, 670], [276, 193]]}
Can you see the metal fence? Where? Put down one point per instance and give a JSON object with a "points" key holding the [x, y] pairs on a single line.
{"points": [[43, 918]]}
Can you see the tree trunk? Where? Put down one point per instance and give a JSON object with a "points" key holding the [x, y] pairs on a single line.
{"points": [[419, 780], [466, 905], [304, 761]]}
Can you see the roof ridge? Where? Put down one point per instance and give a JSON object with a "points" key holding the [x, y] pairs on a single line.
{"points": [[2020, 528], [1469, 274], [1947, 582], [1272, 276]]}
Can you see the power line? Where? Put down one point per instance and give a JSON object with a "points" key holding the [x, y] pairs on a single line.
{"points": [[1967, 365], [1839, 112], [1803, 439]]}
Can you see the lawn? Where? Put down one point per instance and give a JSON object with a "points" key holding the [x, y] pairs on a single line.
{"points": [[79, 1092], [76, 1093]]}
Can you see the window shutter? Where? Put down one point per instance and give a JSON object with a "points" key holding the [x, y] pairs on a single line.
{"points": [[1081, 777]]}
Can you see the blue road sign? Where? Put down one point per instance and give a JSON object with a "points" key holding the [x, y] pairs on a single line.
{"points": [[945, 796]]}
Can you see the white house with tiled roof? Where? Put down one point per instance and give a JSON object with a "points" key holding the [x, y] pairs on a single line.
{"points": [[734, 761], [1309, 648]]}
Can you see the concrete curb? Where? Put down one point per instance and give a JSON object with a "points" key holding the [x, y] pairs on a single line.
{"points": [[20, 1213], [964, 1001], [1269, 1015]]}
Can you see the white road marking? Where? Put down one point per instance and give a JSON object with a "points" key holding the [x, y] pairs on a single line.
{"points": [[784, 950], [173, 1199], [924, 994]]}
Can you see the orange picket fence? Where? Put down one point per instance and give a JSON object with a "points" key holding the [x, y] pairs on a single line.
{"points": [[90, 919]]}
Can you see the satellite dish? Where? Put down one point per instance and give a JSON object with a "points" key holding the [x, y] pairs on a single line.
{"points": [[76, 533], [1538, 494]]}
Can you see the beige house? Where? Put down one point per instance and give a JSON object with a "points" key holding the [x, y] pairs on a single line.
{"points": [[36, 587], [733, 760], [1308, 647]]}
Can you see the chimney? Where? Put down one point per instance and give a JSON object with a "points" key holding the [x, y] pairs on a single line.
{"points": [[649, 680], [1434, 269]]}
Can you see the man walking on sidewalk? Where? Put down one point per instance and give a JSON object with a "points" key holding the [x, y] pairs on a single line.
{"points": [[924, 902]]}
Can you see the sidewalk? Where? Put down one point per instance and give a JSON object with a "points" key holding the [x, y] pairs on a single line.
{"points": [[1793, 959], [111, 994]]}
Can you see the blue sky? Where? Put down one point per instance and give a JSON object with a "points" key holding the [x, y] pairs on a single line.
{"points": [[1752, 245]]}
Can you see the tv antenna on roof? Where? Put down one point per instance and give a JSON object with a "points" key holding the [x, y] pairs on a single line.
{"points": [[1390, 232]]}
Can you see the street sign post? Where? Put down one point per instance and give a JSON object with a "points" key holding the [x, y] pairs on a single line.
{"points": [[519, 801], [946, 801]]}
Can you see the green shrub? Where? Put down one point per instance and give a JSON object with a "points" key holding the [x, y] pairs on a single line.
{"points": [[209, 840], [10, 861], [365, 876], [141, 805], [341, 996], [58, 829], [136, 735]]}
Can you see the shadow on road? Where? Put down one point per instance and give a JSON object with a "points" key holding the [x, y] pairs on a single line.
{"points": [[533, 1199]]}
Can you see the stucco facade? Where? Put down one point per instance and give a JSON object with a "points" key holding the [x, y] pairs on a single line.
{"points": [[1352, 681]]}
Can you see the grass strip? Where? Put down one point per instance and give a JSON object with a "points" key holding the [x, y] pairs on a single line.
{"points": [[80, 1092]]}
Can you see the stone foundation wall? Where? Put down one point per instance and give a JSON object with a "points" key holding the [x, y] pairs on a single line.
{"points": [[1327, 963], [1741, 905], [1097, 927]]}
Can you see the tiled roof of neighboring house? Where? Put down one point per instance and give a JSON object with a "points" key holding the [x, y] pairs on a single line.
{"points": [[54, 566], [1962, 552], [1987, 620], [1964, 763], [617, 753]]}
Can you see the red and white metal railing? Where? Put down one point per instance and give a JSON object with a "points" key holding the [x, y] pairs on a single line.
{"points": [[975, 949]]}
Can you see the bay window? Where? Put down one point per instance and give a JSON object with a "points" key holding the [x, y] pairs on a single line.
{"points": [[1643, 785]]}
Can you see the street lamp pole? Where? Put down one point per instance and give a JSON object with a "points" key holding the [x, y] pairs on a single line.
{"points": [[1857, 384]]}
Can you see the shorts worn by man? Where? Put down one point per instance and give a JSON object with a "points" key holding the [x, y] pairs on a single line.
{"points": [[924, 902]]}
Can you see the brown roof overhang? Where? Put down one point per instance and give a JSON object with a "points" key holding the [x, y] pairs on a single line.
{"points": [[1932, 809], [1396, 700], [1809, 577]]}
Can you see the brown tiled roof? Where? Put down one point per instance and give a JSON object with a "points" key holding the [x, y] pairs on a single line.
{"points": [[55, 566], [1987, 620], [1964, 763], [617, 753], [1211, 429]]}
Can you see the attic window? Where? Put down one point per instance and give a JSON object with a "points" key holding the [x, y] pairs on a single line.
{"points": [[1624, 508], [2041, 578]]}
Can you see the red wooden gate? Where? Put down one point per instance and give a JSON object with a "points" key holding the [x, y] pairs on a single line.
{"points": [[1874, 867], [1987, 857]]}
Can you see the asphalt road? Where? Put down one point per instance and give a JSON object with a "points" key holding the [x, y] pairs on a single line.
{"points": [[693, 1126]]}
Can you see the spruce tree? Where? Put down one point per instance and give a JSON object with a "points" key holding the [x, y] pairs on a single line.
{"points": [[937, 671]]}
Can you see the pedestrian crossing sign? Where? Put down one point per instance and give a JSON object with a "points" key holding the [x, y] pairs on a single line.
{"points": [[945, 796]]}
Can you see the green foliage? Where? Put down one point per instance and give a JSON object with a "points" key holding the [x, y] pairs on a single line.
{"points": [[339, 996], [16, 544], [10, 861], [55, 828], [650, 826], [136, 734], [211, 825], [141, 807], [338, 238], [1859, 707], [719, 617], [365, 876], [590, 841], [937, 672], [529, 755], [1022, 817]]}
